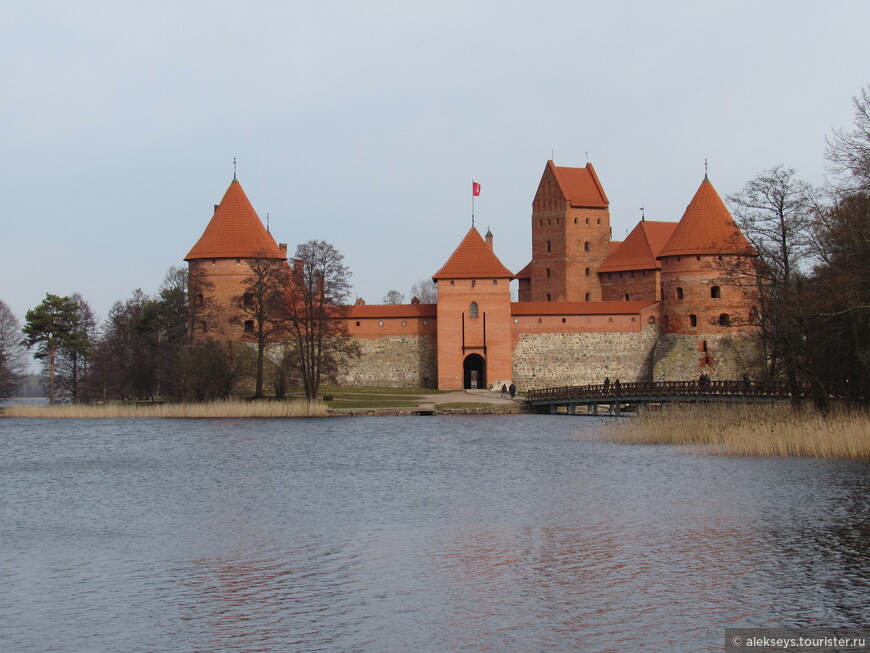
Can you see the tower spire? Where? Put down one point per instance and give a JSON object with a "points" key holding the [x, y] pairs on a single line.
{"points": [[705, 171], [234, 169]]}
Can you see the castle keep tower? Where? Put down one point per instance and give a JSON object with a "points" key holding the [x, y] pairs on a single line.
{"points": [[570, 236], [218, 263], [474, 316]]}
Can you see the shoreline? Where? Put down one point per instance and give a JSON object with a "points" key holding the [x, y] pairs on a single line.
{"points": [[450, 403]]}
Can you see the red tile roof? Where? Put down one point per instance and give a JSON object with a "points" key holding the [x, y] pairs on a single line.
{"points": [[579, 308], [473, 259], [580, 186], [706, 228], [525, 273], [392, 310], [235, 231], [639, 250]]}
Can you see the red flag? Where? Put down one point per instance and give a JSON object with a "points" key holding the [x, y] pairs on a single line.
{"points": [[475, 188]]}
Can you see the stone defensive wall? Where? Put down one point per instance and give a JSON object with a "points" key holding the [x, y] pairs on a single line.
{"points": [[723, 357], [579, 343], [554, 344], [397, 346]]}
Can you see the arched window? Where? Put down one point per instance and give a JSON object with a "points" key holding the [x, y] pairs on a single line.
{"points": [[693, 320], [248, 299], [587, 220], [200, 299], [724, 319], [548, 273], [249, 326], [548, 297], [472, 311], [679, 293], [588, 272], [588, 297], [714, 292], [627, 297], [586, 246], [549, 248], [652, 319]]}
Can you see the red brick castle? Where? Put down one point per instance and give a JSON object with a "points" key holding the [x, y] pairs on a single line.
{"points": [[654, 306]]}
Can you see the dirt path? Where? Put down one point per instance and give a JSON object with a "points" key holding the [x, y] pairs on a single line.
{"points": [[470, 396]]}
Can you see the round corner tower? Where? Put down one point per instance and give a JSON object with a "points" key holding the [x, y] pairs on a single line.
{"points": [[699, 306], [218, 264]]}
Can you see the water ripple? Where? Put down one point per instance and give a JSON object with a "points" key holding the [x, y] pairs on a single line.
{"points": [[455, 534]]}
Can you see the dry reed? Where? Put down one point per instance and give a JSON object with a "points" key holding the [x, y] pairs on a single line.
{"points": [[750, 430], [230, 408]]}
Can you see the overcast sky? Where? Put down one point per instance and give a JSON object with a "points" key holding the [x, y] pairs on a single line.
{"points": [[364, 123]]}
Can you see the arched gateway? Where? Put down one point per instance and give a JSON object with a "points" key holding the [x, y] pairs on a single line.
{"points": [[474, 372]]}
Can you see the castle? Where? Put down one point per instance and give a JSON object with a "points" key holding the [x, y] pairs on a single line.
{"points": [[652, 307]]}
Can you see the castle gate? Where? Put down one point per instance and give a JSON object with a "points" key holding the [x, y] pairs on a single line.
{"points": [[474, 372]]}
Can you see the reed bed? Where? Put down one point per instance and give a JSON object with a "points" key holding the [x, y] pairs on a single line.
{"points": [[750, 430], [230, 408]]}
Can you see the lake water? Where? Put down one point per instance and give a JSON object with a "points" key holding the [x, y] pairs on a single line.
{"points": [[510, 533]]}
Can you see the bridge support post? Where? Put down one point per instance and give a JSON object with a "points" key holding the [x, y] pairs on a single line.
{"points": [[615, 408], [572, 409], [595, 409], [552, 409]]}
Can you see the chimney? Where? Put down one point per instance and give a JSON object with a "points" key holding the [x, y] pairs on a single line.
{"points": [[283, 248], [215, 208]]}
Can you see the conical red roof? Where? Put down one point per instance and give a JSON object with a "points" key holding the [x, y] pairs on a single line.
{"points": [[706, 228], [473, 259], [235, 231], [639, 250]]}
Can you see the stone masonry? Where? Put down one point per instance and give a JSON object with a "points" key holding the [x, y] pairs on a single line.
{"points": [[680, 357], [394, 361], [553, 359]]}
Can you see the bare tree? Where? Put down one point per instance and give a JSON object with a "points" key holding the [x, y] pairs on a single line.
{"points": [[776, 211], [394, 297], [265, 302], [317, 308], [849, 150], [13, 355], [426, 291]]}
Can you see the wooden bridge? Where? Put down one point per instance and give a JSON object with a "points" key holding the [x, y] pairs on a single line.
{"points": [[617, 398]]}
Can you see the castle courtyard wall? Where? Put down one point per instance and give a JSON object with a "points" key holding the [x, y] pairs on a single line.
{"points": [[397, 361], [554, 359], [722, 357]]}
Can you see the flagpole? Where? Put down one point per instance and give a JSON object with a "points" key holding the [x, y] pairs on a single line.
{"points": [[472, 202]]}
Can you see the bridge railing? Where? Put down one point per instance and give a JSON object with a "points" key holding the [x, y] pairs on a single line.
{"points": [[664, 389]]}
